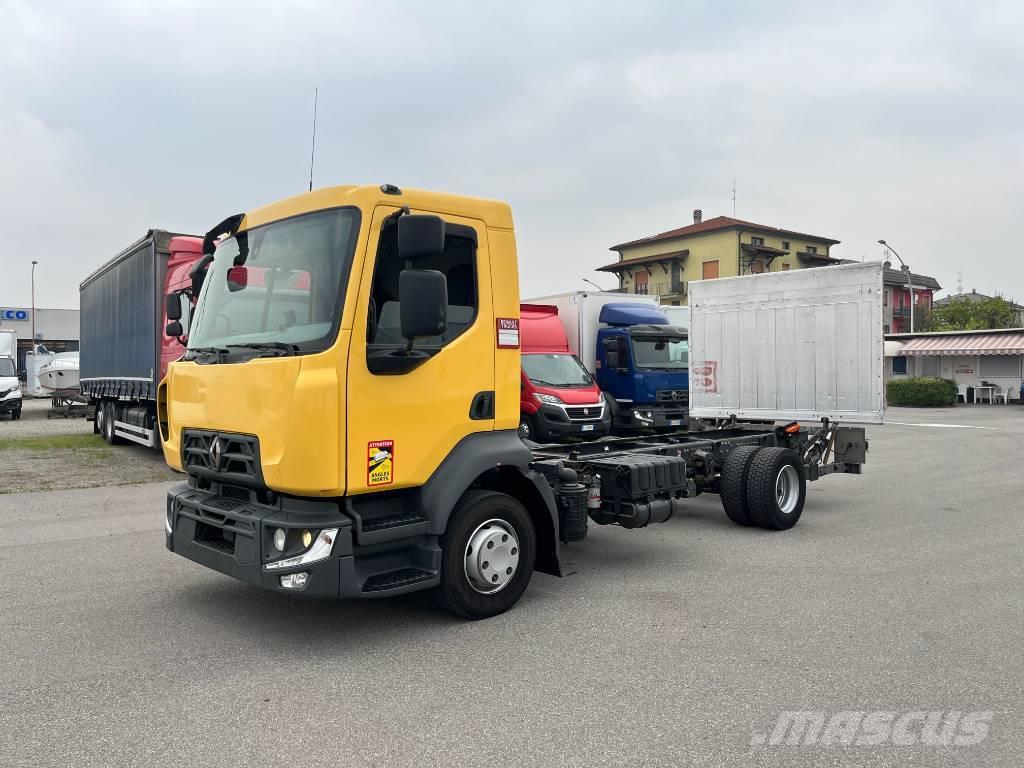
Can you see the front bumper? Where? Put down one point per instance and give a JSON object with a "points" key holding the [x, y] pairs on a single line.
{"points": [[11, 402], [555, 421], [655, 416], [235, 537]]}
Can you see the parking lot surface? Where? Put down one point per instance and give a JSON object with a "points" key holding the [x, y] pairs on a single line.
{"points": [[681, 644]]}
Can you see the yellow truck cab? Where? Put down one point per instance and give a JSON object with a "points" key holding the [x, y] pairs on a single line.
{"points": [[347, 408]]}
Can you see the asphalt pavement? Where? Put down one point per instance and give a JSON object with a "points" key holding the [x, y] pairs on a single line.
{"points": [[900, 591]]}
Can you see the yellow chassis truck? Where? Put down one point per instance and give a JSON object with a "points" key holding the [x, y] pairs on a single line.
{"points": [[347, 405]]}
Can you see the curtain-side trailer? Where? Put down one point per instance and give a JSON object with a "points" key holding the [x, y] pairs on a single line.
{"points": [[124, 350]]}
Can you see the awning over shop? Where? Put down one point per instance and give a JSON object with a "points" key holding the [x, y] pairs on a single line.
{"points": [[968, 344]]}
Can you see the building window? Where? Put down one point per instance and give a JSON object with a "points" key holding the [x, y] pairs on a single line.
{"points": [[999, 366], [930, 366], [785, 245], [785, 267], [885, 329], [812, 249], [757, 241], [756, 267], [710, 270], [899, 366], [885, 297], [640, 282]]}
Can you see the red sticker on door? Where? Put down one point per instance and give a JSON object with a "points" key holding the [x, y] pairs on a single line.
{"points": [[380, 468], [508, 332]]}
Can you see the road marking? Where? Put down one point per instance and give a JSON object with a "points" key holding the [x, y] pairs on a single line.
{"points": [[946, 426]]}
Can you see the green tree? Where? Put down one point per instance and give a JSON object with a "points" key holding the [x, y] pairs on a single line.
{"points": [[966, 315]]}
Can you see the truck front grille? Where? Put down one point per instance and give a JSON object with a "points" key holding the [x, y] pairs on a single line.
{"points": [[224, 456], [673, 396]]}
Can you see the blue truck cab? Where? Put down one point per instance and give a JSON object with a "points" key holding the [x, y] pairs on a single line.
{"points": [[643, 365]]}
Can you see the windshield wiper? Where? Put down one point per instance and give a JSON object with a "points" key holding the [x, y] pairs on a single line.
{"points": [[266, 346], [208, 351]]}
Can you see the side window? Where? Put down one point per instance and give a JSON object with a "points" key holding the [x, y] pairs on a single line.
{"points": [[186, 311], [458, 263]]}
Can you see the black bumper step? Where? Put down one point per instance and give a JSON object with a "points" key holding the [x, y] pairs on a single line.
{"points": [[390, 521], [403, 577]]}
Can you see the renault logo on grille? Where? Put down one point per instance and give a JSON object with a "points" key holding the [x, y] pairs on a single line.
{"points": [[586, 411], [216, 453]]}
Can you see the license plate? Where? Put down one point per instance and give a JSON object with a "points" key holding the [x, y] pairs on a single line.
{"points": [[586, 428], [675, 422]]}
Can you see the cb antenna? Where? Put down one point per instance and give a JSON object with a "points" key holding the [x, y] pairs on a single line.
{"points": [[312, 151]]}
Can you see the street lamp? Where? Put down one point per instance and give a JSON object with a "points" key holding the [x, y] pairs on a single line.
{"points": [[906, 270], [594, 284], [34, 306]]}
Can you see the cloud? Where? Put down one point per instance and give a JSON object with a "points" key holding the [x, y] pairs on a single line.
{"points": [[598, 123]]}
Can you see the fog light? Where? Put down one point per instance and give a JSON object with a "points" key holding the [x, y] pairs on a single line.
{"points": [[294, 580], [307, 539], [279, 536]]}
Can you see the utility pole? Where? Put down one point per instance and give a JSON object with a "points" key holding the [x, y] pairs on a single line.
{"points": [[910, 286], [34, 306]]}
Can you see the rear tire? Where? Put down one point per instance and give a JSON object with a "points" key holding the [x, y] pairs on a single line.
{"points": [[776, 488], [733, 484], [109, 414], [485, 522]]}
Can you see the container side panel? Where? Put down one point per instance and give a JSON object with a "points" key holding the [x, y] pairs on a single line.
{"points": [[797, 345], [118, 315]]}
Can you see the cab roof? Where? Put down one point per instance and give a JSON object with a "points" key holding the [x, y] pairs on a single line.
{"points": [[495, 214]]}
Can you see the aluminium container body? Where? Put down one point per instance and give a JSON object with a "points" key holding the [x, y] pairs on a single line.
{"points": [[801, 345]]}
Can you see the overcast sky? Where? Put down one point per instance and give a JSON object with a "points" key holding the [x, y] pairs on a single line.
{"points": [[598, 122]]}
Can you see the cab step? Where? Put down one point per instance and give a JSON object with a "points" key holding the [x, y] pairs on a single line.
{"points": [[399, 579], [391, 521]]}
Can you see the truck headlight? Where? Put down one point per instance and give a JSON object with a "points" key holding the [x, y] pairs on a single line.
{"points": [[321, 550], [543, 398]]}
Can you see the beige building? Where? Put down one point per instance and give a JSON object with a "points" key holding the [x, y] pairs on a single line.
{"points": [[664, 264]]}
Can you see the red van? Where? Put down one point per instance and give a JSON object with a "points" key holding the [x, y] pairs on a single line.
{"points": [[558, 398]]}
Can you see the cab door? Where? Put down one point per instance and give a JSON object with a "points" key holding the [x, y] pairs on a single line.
{"points": [[401, 426]]}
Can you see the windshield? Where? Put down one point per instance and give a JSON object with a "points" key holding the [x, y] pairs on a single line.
{"points": [[7, 367], [661, 352], [281, 284], [556, 371]]}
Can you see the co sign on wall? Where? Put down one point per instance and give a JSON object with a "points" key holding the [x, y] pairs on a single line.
{"points": [[14, 314]]}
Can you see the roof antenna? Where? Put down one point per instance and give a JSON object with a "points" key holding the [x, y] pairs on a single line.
{"points": [[312, 151], [959, 281], [734, 198]]}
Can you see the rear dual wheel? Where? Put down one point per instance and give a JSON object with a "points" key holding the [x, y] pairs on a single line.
{"points": [[764, 487]]}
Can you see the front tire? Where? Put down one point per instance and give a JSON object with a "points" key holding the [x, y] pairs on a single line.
{"points": [[487, 555], [528, 428]]}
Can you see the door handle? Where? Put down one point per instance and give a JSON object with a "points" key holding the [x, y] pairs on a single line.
{"points": [[482, 407]]}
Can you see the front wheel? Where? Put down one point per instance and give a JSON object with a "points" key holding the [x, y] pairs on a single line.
{"points": [[528, 428], [487, 555]]}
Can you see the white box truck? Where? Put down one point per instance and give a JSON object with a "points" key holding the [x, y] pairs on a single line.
{"points": [[10, 387]]}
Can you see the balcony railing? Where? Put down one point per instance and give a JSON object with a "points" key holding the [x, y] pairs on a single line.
{"points": [[665, 288], [901, 311]]}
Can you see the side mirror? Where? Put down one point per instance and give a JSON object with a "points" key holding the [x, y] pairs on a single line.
{"points": [[420, 237], [174, 329], [423, 302], [238, 278], [198, 273], [172, 303]]}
